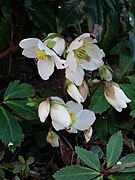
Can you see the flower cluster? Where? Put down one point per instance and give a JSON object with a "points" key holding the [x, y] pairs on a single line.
{"points": [[83, 54]]}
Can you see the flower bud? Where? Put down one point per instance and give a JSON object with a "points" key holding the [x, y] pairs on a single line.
{"points": [[105, 73], [88, 134], [53, 139], [43, 110]]}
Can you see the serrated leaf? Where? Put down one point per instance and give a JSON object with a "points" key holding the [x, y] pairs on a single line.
{"points": [[98, 102], [10, 130], [70, 13], [5, 22], [114, 148], [130, 158], [89, 158], [22, 109], [122, 176], [75, 173], [30, 160], [41, 16], [16, 90]]}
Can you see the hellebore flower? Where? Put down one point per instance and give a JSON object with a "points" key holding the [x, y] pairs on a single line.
{"points": [[56, 42], [115, 96], [47, 58], [105, 73], [83, 53], [79, 94], [88, 134], [80, 119]]}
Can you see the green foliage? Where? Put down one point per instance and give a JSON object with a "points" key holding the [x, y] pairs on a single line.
{"points": [[98, 102], [75, 173], [89, 158], [114, 148]]}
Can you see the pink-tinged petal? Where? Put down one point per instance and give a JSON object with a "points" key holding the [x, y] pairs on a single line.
{"points": [[84, 36], [84, 90], [59, 116], [29, 43], [42, 46], [59, 46], [74, 107], [30, 53], [85, 119], [45, 68], [43, 110], [88, 134], [74, 93], [60, 64]]}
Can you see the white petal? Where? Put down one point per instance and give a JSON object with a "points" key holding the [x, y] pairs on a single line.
{"points": [[85, 119], [78, 76], [84, 90], [88, 134], [57, 126], [57, 99], [59, 116], [74, 107], [30, 53], [72, 129], [122, 94], [74, 93], [42, 46], [45, 68], [29, 43], [75, 45], [59, 46], [60, 64], [43, 110]]}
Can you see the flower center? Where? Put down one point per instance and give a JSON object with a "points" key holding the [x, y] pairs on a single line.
{"points": [[82, 54], [40, 54], [73, 118]]}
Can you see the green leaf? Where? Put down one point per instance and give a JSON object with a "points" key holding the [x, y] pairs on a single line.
{"points": [[2, 173], [22, 109], [89, 158], [125, 62], [2, 154], [16, 90], [21, 159], [41, 15], [70, 13], [75, 173], [10, 130], [99, 178], [30, 160], [98, 102], [122, 176], [132, 113], [114, 148], [131, 78], [130, 158], [5, 23], [17, 178], [17, 169]]}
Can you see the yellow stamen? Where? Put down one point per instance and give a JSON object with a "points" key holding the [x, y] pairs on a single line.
{"points": [[40, 54], [72, 116], [81, 53]]}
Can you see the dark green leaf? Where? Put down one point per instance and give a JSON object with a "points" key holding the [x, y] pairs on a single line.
{"points": [[98, 102], [41, 16], [129, 159], [89, 158], [114, 148], [17, 169], [70, 13], [5, 23], [131, 78], [22, 109], [132, 113], [75, 173], [96, 149], [2, 154], [16, 90], [21, 159], [2, 173], [10, 130], [30, 160], [122, 176]]}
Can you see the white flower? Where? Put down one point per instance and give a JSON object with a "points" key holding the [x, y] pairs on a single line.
{"points": [[47, 58], [56, 42], [43, 110], [10, 144], [83, 53], [59, 115], [80, 119], [79, 94], [105, 73], [88, 134], [115, 96]]}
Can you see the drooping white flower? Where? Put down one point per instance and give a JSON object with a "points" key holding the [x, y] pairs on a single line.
{"points": [[77, 93], [56, 42], [47, 58], [83, 53], [115, 96], [105, 73], [59, 115], [81, 119], [88, 134], [43, 110]]}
